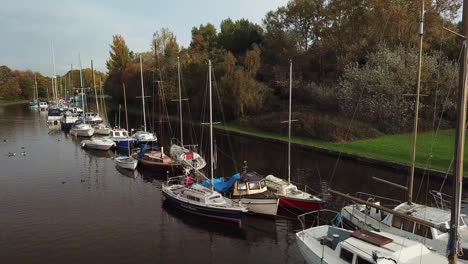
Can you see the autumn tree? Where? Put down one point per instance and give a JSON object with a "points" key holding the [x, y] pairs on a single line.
{"points": [[119, 57]]}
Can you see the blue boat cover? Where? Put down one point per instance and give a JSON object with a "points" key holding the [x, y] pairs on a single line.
{"points": [[143, 150], [220, 185]]}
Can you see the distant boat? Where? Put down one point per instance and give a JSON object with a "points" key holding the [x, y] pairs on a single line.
{"points": [[126, 162], [121, 138], [53, 116], [93, 118], [98, 143], [68, 119], [43, 105], [143, 137], [80, 129], [102, 129]]}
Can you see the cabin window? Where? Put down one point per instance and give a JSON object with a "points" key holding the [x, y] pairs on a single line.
{"points": [[193, 198], [408, 225], [360, 260], [215, 197], [124, 134], [396, 222], [346, 255], [254, 185], [263, 184], [241, 187], [422, 230]]}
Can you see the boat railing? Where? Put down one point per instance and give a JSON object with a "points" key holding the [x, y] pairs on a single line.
{"points": [[443, 200], [337, 220], [384, 201]]}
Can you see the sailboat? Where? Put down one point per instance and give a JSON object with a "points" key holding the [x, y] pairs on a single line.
{"points": [[125, 162], [187, 158], [369, 218], [81, 128], [290, 196], [444, 232], [100, 128], [143, 137], [34, 104], [150, 156], [200, 200]]}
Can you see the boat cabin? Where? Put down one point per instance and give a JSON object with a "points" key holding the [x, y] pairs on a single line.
{"points": [[249, 183], [119, 133], [201, 194], [43, 104], [55, 112], [434, 215], [336, 245]]}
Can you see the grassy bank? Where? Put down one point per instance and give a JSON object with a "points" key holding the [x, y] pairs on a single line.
{"points": [[433, 151], [4, 103]]}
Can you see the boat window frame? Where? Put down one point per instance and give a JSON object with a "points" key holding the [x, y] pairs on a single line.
{"points": [[345, 258], [258, 185], [241, 184], [361, 260], [425, 231]]}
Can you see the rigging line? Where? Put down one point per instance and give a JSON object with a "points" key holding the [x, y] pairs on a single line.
{"points": [[346, 136], [224, 119]]}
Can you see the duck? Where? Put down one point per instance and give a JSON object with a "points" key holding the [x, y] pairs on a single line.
{"points": [[11, 154]]}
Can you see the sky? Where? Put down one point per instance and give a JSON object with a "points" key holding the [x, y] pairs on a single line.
{"points": [[30, 29]]}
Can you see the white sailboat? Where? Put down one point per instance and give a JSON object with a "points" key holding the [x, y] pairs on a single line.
{"points": [[81, 128], [179, 153], [126, 162], [143, 137], [201, 200]]}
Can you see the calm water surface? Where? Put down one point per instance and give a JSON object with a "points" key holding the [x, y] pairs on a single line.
{"points": [[62, 204]]}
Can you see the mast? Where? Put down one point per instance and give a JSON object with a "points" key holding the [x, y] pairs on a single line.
{"points": [[94, 85], [125, 104], [82, 90], [459, 146], [211, 126], [180, 105], [142, 95], [36, 93], [289, 122], [416, 111], [54, 79]]}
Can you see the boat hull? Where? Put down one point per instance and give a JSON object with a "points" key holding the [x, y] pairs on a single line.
{"points": [[160, 167], [219, 214], [102, 132], [263, 206], [123, 143], [97, 146], [82, 132], [126, 165], [302, 204]]}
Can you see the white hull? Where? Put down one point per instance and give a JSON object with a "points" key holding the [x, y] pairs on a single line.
{"points": [[98, 145], [102, 131], [82, 132], [266, 206], [129, 165]]}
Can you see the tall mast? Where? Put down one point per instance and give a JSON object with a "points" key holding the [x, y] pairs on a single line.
{"points": [[416, 110], [54, 79], [180, 105], [125, 103], [36, 93], [289, 122], [142, 95], [94, 85], [82, 89], [211, 125], [459, 146]]}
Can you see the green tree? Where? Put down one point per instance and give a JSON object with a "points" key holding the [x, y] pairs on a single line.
{"points": [[237, 37]]}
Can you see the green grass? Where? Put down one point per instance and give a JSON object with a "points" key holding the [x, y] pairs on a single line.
{"points": [[433, 151]]}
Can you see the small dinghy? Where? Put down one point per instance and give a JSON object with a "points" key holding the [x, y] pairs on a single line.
{"points": [[98, 143], [126, 162]]}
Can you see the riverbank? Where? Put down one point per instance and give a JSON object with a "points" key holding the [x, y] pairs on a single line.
{"points": [[5, 103], [434, 152]]}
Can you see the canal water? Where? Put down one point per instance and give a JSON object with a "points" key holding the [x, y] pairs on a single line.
{"points": [[62, 204]]}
